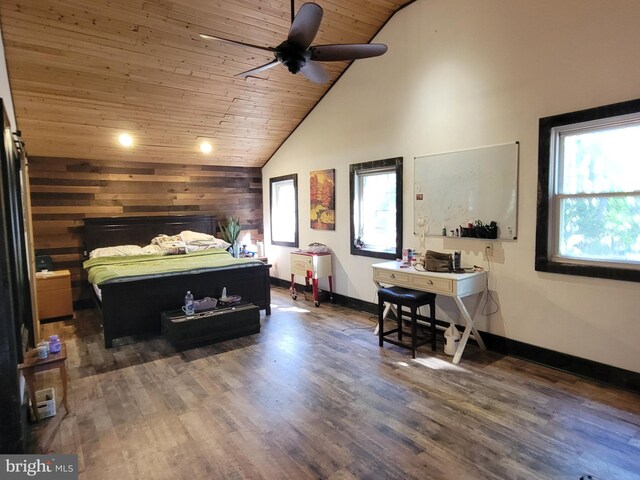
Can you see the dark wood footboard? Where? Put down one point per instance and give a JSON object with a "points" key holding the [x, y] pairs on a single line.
{"points": [[133, 308]]}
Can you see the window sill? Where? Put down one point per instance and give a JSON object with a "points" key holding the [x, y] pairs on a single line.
{"points": [[373, 254], [611, 273]]}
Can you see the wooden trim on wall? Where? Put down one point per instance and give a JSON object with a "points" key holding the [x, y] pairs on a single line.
{"points": [[28, 223]]}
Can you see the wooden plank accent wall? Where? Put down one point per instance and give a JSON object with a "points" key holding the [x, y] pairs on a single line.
{"points": [[64, 191]]}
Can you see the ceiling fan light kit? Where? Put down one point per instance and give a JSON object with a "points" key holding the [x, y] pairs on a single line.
{"points": [[296, 52]]}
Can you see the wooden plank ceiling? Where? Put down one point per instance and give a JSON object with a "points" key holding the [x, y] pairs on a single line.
{"points": [[84, 71]]}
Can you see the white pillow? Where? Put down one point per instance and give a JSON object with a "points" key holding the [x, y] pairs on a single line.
{"points": [[189, 236], [117, 251]]}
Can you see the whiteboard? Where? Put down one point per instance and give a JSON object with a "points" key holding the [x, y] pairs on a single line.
{"points": [[455, 188]]}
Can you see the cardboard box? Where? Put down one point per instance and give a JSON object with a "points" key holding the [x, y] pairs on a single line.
{"points": [[46, 403]]}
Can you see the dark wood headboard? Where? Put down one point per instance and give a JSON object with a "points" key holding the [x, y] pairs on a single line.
{"points": [[110, 231]]}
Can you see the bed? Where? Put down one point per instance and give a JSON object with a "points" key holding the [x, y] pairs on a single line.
{"points": [[132, 306]]}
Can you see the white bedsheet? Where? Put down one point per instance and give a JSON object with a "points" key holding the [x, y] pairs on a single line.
{"points": [[96, 289]]}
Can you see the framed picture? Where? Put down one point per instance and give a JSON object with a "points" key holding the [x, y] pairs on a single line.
{"points": [[322, 193]]}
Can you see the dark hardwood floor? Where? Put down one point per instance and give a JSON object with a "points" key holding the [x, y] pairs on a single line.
{"points": [[313, 396]]}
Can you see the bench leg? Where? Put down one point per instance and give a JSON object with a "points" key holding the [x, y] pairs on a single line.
{"points": [[380, 321], [432, 311], [414, 330]]}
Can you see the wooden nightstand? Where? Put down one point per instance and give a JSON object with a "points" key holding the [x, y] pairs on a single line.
{"points": [[54, 294]]}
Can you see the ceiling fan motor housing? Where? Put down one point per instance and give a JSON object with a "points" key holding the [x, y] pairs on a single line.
{"points": [[293, 56], [296, 52]]}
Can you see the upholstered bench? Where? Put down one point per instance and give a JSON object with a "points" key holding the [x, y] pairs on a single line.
{"points": [[412, 299]]}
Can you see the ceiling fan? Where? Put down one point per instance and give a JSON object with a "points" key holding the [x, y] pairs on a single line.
{"points": [[296, 52]]}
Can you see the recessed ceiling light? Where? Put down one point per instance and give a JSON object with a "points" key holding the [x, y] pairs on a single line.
{"points": [[125, 140], [205, 147]]}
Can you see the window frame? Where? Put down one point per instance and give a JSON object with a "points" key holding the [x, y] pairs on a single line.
{"points": [[390, 164], [548, 215], [272, 183]]}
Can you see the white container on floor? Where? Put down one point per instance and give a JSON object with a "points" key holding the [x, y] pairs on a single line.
{"points": [[452, 337]]}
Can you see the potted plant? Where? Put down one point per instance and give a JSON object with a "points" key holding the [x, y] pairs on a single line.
{"points": [[230, 232]]}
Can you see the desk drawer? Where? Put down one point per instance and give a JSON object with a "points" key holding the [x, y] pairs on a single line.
{"points": [[394, 278], [433, 284]]}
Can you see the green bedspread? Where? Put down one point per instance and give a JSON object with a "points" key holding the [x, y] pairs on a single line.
{"points": [[114, 269]]}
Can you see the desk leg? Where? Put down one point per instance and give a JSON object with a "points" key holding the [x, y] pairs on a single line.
{"points": [[474, 315], [470, 328], [387, 308], [65, 381], [31, 385]]}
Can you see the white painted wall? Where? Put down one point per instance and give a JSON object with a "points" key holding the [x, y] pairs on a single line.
{"points": [[468, 73]]}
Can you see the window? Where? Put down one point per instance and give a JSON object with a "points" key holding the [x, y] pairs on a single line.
{"points": [[376, 208], [284, 210], [589, 193]]}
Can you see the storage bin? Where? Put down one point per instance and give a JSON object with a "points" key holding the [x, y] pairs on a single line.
{"points": [[46, 400]]}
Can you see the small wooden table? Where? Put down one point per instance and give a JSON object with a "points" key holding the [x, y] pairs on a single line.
{"points": [[32, 365]]}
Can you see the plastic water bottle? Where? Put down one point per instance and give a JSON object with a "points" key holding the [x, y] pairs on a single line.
{"points": [[189, 307]]}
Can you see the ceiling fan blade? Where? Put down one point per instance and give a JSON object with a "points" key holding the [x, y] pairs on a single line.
{"points": [[314, 72], [350, 51], [262, 68], [212, 37], [305, 25]]}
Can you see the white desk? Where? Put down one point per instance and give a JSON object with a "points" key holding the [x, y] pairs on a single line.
{"points": [[454, 285]]}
